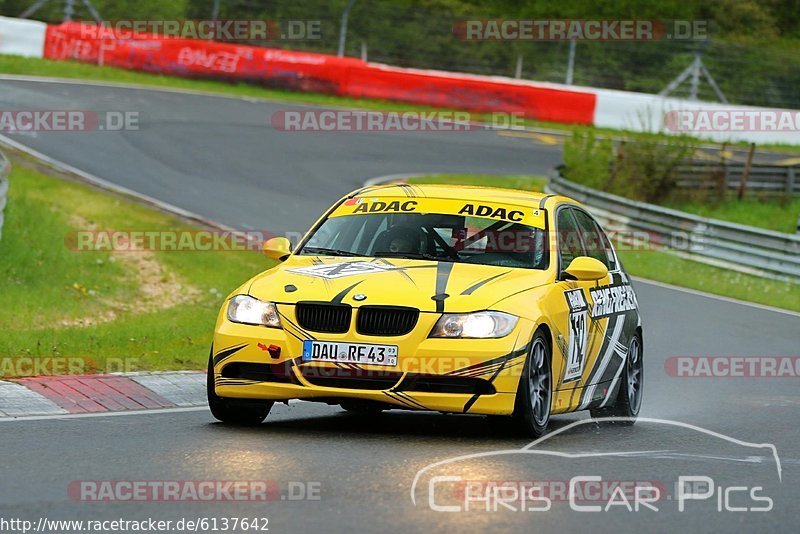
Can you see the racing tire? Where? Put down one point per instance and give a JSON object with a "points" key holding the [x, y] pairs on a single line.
{"points": [[629, 397], [535, 391], [234, 411]]}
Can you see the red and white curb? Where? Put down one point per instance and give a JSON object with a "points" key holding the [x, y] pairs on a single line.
{"points": [[96, 394]]}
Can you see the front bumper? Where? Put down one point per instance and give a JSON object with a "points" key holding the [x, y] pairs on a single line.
{"points": [[447, 375]]}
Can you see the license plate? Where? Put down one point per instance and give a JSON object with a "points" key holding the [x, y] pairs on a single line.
{"points": [[336, 352]]}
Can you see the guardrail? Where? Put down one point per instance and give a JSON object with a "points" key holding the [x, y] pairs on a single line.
{"points": [[5, 168], [776, 179], [734, 246]]}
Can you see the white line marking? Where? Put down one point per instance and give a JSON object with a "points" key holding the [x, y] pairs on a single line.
{"points": [[729, 300], [103, 414], [612, 348], [616, 379], [135, 86]]}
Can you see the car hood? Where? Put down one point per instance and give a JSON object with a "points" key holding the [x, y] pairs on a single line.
{"points": [[427, 285]]}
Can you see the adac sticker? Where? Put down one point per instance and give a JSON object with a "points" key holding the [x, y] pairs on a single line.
{"points": [[487, 210]]}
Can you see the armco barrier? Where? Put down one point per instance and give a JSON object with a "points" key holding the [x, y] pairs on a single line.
{"points": [[5, 169], [765, 179], [746, 249]]}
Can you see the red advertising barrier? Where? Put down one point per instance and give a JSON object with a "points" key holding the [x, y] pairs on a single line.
{"points": [[300, 71], [304, 71], [473, 93]]}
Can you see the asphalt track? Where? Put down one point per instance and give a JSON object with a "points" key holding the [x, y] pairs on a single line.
{"points": [[218, 157]]}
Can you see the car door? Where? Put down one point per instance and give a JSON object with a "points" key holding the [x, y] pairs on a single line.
{"points": [[614, 312], [570, 307], [583, 337]]}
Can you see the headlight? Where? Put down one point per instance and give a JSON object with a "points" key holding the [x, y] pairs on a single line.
{"points": [[486, 324], [248, 310]]}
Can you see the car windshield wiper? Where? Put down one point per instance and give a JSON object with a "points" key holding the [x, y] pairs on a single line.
{"points": [[328, 251], [411, 256]]}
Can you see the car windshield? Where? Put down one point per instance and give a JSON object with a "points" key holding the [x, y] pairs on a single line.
{"points": [[431, 236]]}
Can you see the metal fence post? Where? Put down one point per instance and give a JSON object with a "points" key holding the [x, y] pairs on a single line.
{"points": [[343, 27], [571, 62], [746, 172]]}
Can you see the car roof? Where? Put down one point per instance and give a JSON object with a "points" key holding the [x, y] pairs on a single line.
{"points": [[459, 192]]}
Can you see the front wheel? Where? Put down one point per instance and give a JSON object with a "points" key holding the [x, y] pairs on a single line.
{"points": [[234, 411], [629, 397], [534, 395]]}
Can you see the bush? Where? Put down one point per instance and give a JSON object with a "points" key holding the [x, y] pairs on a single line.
{"points": [[587, 159], [640, 167]]}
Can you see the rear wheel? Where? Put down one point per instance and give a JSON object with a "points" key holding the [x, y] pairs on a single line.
{"points": [[534, 395], [629, 397], [234, 411]]}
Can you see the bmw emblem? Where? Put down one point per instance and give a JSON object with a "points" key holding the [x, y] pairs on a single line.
{"points": [[359, 297]]}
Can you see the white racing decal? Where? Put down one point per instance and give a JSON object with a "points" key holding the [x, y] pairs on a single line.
{"points": [[611, 300], [340, 270], [613, 345], [623, 352], [576, 350]]}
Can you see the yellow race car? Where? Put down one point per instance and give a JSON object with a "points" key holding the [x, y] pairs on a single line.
{"points": [[454, 299]]}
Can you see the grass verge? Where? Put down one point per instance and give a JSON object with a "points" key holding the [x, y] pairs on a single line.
{"points": [[141, 309], [776, 214], [659, 265]]}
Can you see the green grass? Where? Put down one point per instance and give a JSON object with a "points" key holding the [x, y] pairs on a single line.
{"points": [[56, 301], [659, 265], [773, 214], [671, 269], [85, 71]]}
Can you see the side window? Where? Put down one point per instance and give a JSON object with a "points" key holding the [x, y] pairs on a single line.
{"points": [[569, 239], [612, 258], [592, 237]]}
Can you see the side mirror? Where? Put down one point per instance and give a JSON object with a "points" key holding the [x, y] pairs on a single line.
{"points": [[277, 248], [585, 268]]}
